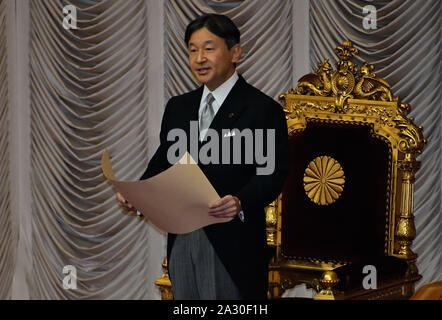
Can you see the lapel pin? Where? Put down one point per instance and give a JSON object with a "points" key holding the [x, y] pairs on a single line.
{"points": [[231, 115]]}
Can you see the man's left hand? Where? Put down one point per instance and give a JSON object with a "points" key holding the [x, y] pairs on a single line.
{"points": [[226, 207]]}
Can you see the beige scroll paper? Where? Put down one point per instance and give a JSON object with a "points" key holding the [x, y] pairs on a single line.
{"points": [[175, 201]]}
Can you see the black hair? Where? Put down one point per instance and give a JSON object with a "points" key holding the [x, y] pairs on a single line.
{"points": [[218, 24]]}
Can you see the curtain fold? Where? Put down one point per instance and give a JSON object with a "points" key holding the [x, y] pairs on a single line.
{"points": [[7, 250], [406, 51], [88, 94]]}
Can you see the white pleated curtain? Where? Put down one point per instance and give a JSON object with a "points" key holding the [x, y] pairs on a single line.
{"points": [[406, 51], [88, 92], [7, 251]]}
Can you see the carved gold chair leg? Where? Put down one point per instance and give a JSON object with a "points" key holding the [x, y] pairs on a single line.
{"points": [[164, 285], [328, 281]]}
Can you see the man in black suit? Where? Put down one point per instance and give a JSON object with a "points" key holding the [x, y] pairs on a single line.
{"points": [[226, 260]]}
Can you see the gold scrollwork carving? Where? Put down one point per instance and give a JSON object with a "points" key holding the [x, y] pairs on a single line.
{"points": [[412, 140], [319, 82], [370, 86]]}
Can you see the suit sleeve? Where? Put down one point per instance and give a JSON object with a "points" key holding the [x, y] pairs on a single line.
{"points": [[159, 161], [261, 190]]}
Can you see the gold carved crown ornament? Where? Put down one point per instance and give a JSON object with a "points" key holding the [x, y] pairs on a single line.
{"points": [[348, 81], [353, 92]]}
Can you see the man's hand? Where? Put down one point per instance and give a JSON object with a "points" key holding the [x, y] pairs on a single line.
{"points": [[124, 204], [226, 207]]}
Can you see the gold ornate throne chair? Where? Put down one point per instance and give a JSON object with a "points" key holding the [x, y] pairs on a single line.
{"points": [[345, 214]]}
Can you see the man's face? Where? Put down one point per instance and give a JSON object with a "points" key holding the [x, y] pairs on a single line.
{"points": [[211, 62]]}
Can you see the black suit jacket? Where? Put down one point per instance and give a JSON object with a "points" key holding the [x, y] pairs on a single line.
{"points": [[240, 245]]}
